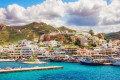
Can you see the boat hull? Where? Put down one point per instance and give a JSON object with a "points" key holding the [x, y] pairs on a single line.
{"points": [[53, 60], [117, 63], [89, 63]]}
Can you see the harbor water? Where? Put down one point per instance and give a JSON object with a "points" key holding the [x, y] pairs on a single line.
{"points": [[71, 71]]}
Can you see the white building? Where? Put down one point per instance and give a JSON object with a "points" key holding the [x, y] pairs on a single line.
{"points": [[51, 43], [84, 40]]}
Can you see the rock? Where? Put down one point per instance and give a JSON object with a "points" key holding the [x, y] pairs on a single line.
{"points": [[2, 27]]}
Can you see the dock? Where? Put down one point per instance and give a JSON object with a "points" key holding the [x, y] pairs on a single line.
{"points": [[30, 69], [7, 60]]}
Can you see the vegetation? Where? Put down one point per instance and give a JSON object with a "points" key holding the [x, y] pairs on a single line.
{"points": [[2, 55], [113, 36], [31, 60], [12, 34], [91, 32], [63, 28], [70, 45], [93, 45], [77, 42]]}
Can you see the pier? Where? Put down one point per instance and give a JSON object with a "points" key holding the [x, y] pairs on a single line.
{"points": [[7, 60], [30, 69]]}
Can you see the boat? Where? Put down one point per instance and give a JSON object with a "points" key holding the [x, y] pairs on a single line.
{"points": [[116, 62], [18, 60], [55, 60], [89, 63]]}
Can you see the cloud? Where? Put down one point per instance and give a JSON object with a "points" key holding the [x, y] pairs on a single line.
{"points": [[85, 12], [111, 13], [48, 10], [82, 14], [2, 15]]}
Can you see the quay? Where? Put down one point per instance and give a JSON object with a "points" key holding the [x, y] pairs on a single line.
{"points": [[30, 69], [7, 60]]}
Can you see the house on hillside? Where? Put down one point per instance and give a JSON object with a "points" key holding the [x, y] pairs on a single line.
{"points": [[52, 43]]}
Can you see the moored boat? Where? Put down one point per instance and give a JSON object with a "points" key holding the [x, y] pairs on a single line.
{"points": [[55, 60], [116, 62], [90, 63]]}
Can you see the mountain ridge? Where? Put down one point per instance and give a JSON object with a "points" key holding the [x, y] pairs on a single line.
{"points": [[113, 35]]}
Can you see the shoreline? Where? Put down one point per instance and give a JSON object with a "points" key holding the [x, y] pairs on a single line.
{"points": [[35, 63]]}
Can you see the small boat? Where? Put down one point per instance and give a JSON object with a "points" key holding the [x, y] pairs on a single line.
{"points": [[7, 68], [55, 60], [90, 63], [18, 60], [116, 62]]}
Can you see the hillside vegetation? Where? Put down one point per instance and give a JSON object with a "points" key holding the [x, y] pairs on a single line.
{"points": [[63, 28], [12, 34], [113, 36]]}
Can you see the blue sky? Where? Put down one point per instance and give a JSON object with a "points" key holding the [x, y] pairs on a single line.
{"points": [[26, 3]]}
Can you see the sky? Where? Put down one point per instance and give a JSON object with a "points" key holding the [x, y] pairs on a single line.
{"points": [[99, 15]]}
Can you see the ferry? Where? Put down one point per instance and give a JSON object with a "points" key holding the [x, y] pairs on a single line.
{"points": [[90, 63]]}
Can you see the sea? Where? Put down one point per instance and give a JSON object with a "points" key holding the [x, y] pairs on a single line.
{"points": [[71, 71]]}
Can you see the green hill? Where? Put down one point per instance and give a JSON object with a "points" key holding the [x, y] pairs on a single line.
{"points": [[12, 34], [63, 28], [113, 36]]}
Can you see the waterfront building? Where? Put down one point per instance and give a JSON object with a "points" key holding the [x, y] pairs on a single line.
{"points": [[71, 50], [20, 52], [43, 52], [16, 53], [81, 52], [59, 52], [97, 50], [26, 52]]}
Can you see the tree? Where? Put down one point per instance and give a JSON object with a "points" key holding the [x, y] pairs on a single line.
{"points": [[91, 32], [94, 45], [56, 39], [77, 42]]}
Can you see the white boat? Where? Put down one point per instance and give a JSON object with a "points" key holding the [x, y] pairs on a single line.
{"points": [[116, 62]]}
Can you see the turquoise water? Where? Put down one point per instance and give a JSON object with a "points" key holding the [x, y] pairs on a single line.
{"points": [[71, 71]]}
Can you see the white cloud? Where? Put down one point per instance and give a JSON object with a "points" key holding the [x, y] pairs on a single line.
{"points": [[111, 14], [48, 10], [2, 15], [82, 14], [85, 12]]}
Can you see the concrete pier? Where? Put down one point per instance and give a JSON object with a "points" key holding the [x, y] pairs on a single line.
{"points": [[30, 69], [7, 60]]}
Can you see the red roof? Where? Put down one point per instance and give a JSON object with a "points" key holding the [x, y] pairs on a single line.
{"points": [[82, 50]]}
